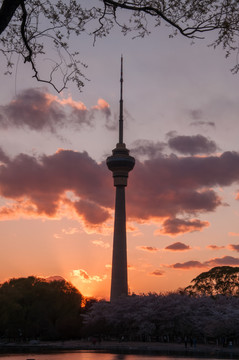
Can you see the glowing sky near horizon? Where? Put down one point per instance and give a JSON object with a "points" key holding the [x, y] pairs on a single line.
{"points": [[57, 196]]}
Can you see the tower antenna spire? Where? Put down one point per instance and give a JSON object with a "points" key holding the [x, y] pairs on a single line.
{"points": [[121, 104]]}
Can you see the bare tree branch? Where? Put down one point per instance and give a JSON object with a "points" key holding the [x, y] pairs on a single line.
{"points": [[32, 27], [29, 57], [145, 9]]}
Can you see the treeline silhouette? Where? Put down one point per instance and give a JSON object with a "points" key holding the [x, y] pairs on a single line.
{"points": [[206, 311], [33, 308]]}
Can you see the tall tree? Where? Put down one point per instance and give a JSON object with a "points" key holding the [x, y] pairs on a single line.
{"points": [[35, 308], [28, 26], [220, 280]]}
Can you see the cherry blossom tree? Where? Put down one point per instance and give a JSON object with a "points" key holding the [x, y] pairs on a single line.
{"points": [[167, 317]]}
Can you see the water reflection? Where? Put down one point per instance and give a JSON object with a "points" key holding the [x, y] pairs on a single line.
{"points": [[119, 357], [90, 355]]}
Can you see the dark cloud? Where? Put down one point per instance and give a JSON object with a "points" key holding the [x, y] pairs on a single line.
{"points": [[203, 123], [188, 265], [166, 187], [79, 117], [147, 148], [34, 109], [92, 213], [45, 181], [233, 247], [225, 260], [178, 246], [196, 114], [148, 248], [169, 186], [3, 157], [179, 226], [171, 134], [38, 110], [112, 122], [196, 144], [157, 273], [215, 247]]}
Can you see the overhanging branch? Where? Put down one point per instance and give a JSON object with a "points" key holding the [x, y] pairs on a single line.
{"points": [[29, 57], [189, 32]]}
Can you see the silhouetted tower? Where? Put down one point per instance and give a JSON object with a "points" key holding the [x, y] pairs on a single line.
{"points": [[120, 163]]}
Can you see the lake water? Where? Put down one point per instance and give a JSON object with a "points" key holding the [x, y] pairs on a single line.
{"points": [[91, 355]]}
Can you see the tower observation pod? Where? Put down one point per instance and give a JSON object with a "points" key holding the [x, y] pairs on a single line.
{"points": [[120, 163]]}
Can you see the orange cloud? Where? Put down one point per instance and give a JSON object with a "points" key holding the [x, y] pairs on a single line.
{"points": [[70, 102], [70, 231], [20, 208], [233, 247], [84, 277], [101, 229], [233, 234], [148, 248], [215, 247], [157, 273], [101, 244], [131, 228], [102, 104]]}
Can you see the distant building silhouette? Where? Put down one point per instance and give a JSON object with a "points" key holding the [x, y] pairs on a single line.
{"points": [[120, 163]]}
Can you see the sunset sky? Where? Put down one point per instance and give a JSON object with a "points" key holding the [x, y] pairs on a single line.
{"points": [[181, 113]]}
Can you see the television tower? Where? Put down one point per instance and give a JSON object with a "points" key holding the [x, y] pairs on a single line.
{"points": [[120, 163]]}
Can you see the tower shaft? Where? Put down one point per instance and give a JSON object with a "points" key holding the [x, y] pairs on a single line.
{"points": [[119, 279], [120, 163]]}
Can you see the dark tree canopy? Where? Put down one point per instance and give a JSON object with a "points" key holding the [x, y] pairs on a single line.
{"points": [[34, 308], [220, 280], [28, 27]]}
